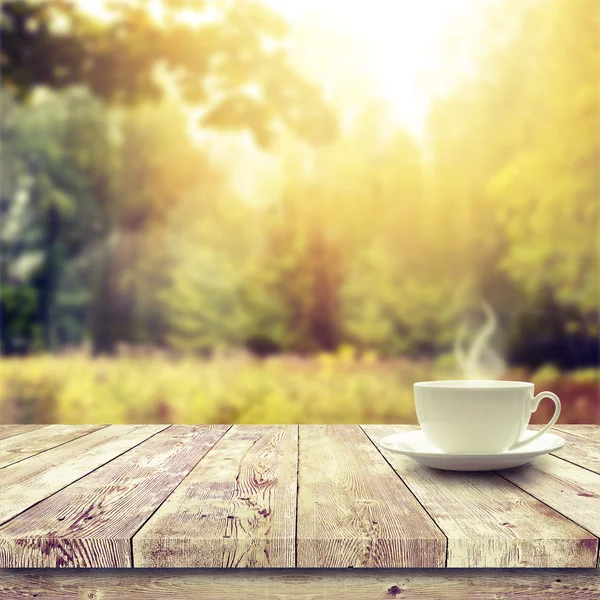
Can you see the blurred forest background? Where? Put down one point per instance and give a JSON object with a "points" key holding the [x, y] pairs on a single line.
{"points": [[233, 211]]}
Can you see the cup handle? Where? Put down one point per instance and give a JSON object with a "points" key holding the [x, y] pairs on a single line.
{"points": [[535, 402]]}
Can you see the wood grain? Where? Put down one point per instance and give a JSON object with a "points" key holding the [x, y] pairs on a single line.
{"points": [[488, 521], [590, 432], [162, 496], [8, 431], [23, 446], [91, 522], [305, 584], [30, 481], [581, 451], [353, 510], [237, 508], [565, 487]]}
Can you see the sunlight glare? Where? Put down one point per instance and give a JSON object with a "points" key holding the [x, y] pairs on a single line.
{"points": [[99, 9], [386, 49], [401, 39]]}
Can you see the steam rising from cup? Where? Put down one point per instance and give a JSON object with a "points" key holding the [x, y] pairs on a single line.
{"points": [[477, 358]]}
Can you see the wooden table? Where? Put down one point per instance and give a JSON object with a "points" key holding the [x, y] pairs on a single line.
{"points": [[269, 512]]}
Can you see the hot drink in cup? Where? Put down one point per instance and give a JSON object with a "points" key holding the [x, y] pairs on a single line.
{"points": [[479, 417]]}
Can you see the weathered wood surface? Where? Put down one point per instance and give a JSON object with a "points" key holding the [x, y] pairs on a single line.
{"points": [[284, 496], [354, 511], [581, 449], [237, 508], [488, 521], [15, 449], [29, 481], [585, 431], [91, 522], [582, 452], [305, 584], [571, 490], [8, 431]]}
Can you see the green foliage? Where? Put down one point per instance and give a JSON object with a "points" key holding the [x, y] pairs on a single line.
{"points": [[132, 166], [52, 152], [211, 251], [118, 227], [18, 305], [516, 184], [547, 190], [224, 64]]}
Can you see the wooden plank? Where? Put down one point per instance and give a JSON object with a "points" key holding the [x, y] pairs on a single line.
{"points": [[565, 487], [91, 522], [305, 584], [591, 432], [8, 431], [237, 508], [32, 480], [582, 451], [353, 510], [23, 446], [488, 521]]}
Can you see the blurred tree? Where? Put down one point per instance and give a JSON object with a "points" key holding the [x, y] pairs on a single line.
{"points": [[373, 239], [221, 292], [50, 216], [209, 242], [305, 263], [156, 166], [349, 258], [231, 62], [550, 185], [85, 195], [515, 192], [550, 189], [398, 296]]}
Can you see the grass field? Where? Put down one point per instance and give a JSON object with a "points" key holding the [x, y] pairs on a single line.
{"points": [[328, 388]]}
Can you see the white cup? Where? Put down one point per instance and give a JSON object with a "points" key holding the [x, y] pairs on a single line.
{"points": [[478, 417]]}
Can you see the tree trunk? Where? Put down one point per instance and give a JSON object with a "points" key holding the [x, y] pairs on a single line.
{"points": [[48, 278], [113, 298]]}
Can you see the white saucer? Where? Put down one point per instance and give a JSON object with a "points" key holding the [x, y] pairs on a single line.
{"points": [[416, 445]]}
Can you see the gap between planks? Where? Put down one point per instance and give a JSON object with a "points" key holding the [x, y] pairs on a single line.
{"points": [[297, 495], [62, 434], [9, 431], [410, 490], [579, 450], [586, 432], [236, 509], [145, 475], [301, 584], [354, 510], [553, 507], [488, 544], [133, 429], [169, 495]]}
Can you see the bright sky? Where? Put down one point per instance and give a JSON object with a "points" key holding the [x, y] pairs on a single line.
{"points": [[377, 48], [400, 43], [365, 49], [395, 44]]}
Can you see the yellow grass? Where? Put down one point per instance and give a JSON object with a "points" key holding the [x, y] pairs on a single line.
{"points": [[328, 388]]}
